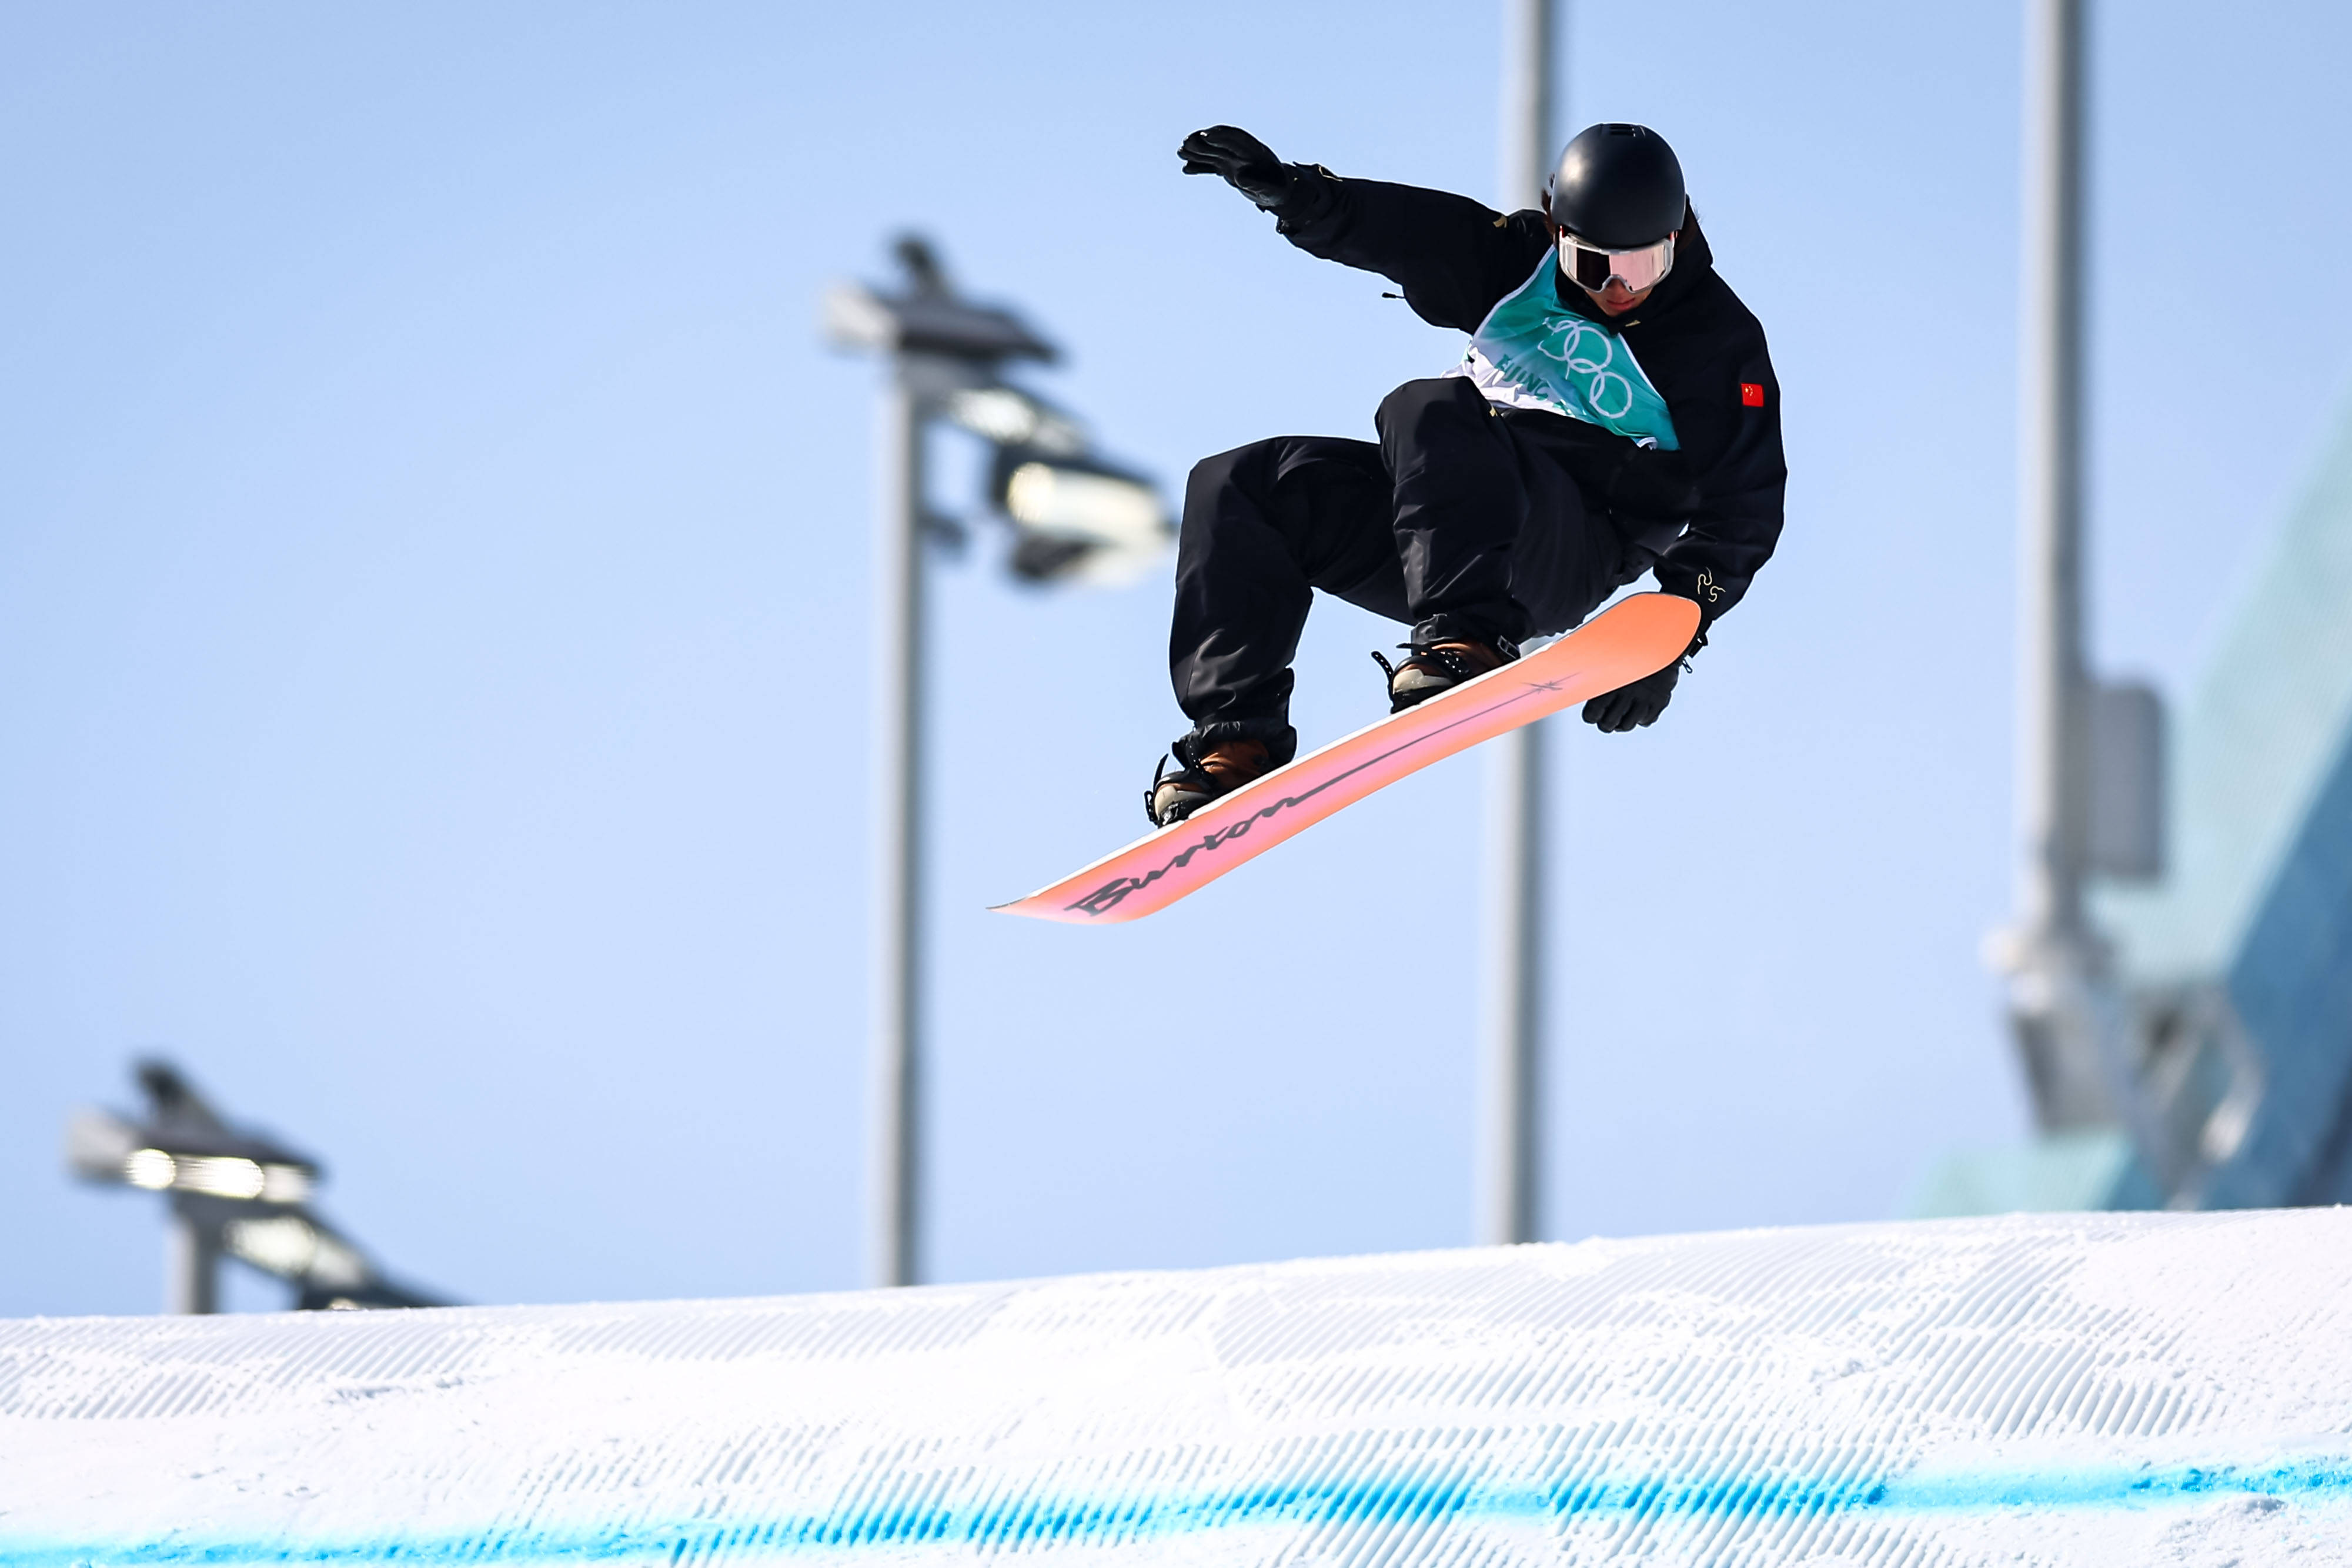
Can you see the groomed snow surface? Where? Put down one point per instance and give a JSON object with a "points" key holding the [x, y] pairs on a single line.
{"points": [[2131, 1390]]}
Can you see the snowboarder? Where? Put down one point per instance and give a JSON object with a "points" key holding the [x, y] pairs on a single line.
{"points": [[1615, 414]]}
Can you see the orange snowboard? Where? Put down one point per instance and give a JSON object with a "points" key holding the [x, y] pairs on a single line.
{"points": [[1633, 638]]}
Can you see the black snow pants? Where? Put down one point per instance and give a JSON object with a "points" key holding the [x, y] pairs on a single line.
{"points": [[1451, 523]]}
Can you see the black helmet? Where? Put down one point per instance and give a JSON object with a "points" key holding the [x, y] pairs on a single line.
{"points": [[1618, 187]]}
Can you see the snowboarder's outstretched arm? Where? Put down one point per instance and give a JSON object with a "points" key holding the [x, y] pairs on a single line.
{"points": [[1452, 257]]}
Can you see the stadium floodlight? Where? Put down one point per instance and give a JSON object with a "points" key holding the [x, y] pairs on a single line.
{"points": [[1009, 416], [1078, 520], [925, 318], [171, 1155], [234, 1193], [1074, 518]]}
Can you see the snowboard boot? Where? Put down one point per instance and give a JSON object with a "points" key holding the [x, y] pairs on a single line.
{"points": [[1206, 772], [1429, 668]]}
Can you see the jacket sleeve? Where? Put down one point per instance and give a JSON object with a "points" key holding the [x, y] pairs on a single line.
{"points": [[1453, 258], [1731, 427]]}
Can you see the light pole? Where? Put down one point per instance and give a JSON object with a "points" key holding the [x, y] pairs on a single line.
{"points": [[234, 1193], [1512, 1163], [899, 552], [1075, 518], [2090, 751], [2052, 952]]}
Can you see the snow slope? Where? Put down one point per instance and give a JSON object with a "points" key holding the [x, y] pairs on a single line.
{"points": [[2125, 1390]]}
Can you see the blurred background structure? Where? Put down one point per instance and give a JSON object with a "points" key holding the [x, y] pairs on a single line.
{"points": [[2180, 981], [1073, 515], [233, 1195], [436, 627], [2219, 1018], [2237, 964]]}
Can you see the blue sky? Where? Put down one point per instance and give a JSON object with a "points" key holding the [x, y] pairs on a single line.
{"points": [[435, 554]]}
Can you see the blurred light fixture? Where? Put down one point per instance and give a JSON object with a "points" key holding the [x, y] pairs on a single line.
{"points": [[292, 1246], [1011, 417], [220, 1175], [1079, 521], [1076, 518], [234, 1193], [184, 1147], [150, 1168]]}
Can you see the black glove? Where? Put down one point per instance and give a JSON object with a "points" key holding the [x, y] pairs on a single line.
{"points": [[1654, 486], [1239, 159], [1635, 704]]}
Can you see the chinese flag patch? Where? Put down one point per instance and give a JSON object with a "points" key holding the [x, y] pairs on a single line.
{"points": [[1751, 394]]}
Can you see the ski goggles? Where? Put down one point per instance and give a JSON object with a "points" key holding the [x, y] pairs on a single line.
{"points": [[1637, 269]]}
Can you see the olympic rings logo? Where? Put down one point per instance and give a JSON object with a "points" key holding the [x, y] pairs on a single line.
{"points": [[1571, 352], [1596, 391], [1604, 386]]}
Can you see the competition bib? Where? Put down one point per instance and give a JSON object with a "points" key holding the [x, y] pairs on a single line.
{"points": [[1530, 353]]}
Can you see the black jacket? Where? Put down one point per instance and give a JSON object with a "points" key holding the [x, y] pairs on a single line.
{"points": [[1455, 260]]}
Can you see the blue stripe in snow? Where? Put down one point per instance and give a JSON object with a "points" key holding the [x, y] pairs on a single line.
{"points": [[1037, 1519]]}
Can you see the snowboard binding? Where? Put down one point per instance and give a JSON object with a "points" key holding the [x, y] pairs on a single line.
{"points": [[1206, 769], [1429, 669]]}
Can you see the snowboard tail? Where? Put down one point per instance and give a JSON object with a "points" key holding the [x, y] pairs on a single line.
{"points": [[1635, 637]]}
